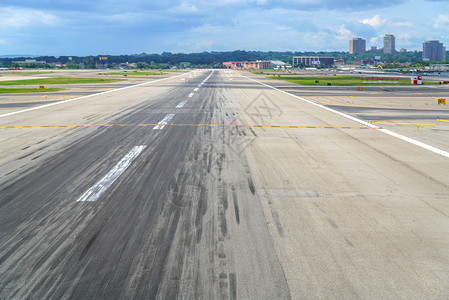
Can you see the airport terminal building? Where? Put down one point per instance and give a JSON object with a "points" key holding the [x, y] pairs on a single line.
{"points": [[247, 65], [313, 61]]}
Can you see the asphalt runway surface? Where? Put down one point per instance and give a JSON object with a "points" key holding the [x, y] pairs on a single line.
{"points": [[162, 231], [195, 187]]}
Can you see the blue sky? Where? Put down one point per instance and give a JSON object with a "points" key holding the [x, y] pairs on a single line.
{"points": [[85, 27]]}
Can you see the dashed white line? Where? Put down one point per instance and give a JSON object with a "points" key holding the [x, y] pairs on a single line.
{"points": [[104, 183], [191, 95], [196, 89], [164, 121], [181, 104]]}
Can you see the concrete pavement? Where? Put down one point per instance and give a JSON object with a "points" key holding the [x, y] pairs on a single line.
{"points": [[203, 210]]}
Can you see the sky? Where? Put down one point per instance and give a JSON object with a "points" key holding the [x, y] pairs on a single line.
{"points": [[102, 27]]}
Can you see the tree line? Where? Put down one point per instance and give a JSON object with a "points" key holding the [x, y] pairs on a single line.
{"points": [[203, 59]]}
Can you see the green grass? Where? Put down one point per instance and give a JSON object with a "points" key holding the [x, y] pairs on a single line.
{"points": [[134, 73], [27, 73], [269, 72], [24, 90], [344, 81], [58, 80]]}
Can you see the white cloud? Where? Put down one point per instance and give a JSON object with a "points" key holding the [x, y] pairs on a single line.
{"points": [[403, 24], [185, 7], [442, 22], [375, 21], [14, 18], [404, 39], [343, 34], [206, 28]]}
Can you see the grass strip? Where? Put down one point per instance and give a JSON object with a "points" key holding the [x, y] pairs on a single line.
{"points": [[346, 80], [28, 90], [58, 80], [26, 73]]}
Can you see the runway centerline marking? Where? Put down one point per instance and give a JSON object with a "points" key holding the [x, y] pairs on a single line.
{"points": [[164, 121], [104, 183], [181, 104], [391, 133]]}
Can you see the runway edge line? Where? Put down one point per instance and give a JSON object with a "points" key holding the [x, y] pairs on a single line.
{"points": [[391, 133]]}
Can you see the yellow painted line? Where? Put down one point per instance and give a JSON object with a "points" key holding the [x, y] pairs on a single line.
{"points": [[193, 125], [441, 120], [351, 97]]}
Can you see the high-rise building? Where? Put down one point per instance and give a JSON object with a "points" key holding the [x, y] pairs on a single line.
{"points": [[433, 50], [389, 43], [357, 45]]}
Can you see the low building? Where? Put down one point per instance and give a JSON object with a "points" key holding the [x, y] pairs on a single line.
{"points": [[313, 61], [364, 62], [30, 61], [247, 65], [339, 62]]}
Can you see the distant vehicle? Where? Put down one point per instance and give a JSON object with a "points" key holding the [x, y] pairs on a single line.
{"points": [[16, 68]]}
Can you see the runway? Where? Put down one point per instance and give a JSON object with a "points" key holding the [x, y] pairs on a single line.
{"points": [[213, 185]]}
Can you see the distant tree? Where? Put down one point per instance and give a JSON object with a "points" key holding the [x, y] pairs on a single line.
{"points": [[142, 65], [72, 65], [154, 65], [89, 62]]}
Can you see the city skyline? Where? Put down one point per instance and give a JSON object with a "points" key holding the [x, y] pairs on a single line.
{"points": [[124, 27]]}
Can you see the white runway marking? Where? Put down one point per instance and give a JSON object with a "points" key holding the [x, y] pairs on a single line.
{"points": [[415, 142], [164, 121], [196, 89], [104, 183], [181, 104], [88, 96], [191, 95], [396, 135]]}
